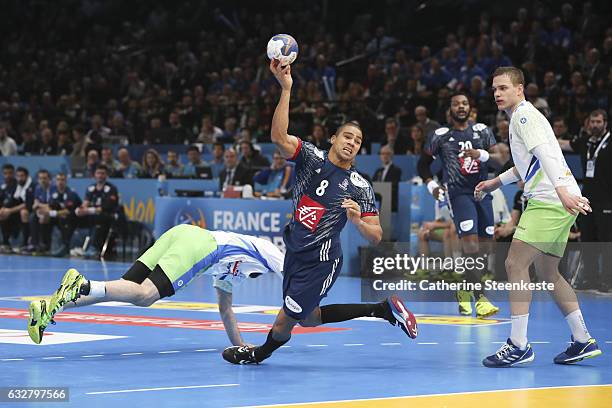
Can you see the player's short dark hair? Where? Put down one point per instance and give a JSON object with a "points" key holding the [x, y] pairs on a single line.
{"points": [[60, 174], [559, 119], [193, 148], [459, 93], [515, 74], [44, 171], [599, 112], [8, 166], [102, 167], [391, 120], [23, 170], [219, 144], [353, 123]]}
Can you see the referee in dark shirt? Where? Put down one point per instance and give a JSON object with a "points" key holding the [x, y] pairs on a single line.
{"points": [[596, 155]]}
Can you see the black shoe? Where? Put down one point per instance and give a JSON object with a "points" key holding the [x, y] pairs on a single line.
{"points": [[604, 288], [241, 355]]}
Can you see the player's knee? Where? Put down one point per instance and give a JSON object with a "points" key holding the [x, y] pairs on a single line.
{"points": [[513, 266], [422, 234], [147, 295]]}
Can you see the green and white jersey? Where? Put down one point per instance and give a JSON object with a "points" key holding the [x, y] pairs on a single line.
{"points": [[529, 129]]}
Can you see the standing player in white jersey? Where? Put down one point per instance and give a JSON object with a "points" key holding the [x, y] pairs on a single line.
{"points": [[554, 201], [179, 256], [327, 193]]}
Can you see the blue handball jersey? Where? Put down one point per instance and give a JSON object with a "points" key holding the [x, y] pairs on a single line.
{"points": [[460, 174], [317, 194]]}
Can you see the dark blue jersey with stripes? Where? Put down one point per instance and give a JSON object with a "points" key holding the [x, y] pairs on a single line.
{"points": [[318, 192], [460, 174]]}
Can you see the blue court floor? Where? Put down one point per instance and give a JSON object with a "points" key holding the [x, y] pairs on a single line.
{"points": [[169, 355]]}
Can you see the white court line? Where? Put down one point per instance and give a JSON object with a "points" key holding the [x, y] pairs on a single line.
{"points": [[608, 342], [316, 345], [465, 342], [186, 387], [93, 355], [353, 344], [131, 354], [540, 342], [390, 344], [12, 359], [428, 343], [498, 342], [285, 346], [52, 358], [168, 352], [206, 350]]}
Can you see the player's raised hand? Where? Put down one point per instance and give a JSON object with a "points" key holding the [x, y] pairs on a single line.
{"points": [[353, 211], [573, 204], [282, 74]]}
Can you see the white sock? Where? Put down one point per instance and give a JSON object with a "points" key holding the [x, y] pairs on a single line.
{"points": [[518, 332], [578, 326], [97, 289]]}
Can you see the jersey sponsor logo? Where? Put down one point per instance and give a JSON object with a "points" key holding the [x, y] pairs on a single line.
{"points": [[468, 165], [344, 184], [441, 131], [451, 139], [309, 213], [479, 127], [523, 120], [490, 230], [357, 180], [292, 305], [466, 225]]}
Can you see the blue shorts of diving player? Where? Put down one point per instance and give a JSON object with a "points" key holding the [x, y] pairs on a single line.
{"points": [[471, 216], [306, 280]]}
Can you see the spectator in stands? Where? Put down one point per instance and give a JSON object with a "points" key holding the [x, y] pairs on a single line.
{"points": [[471, 70], [194, 162], [29, 143], [252, 159], [234, 173], [8, 147], [98, 131], [99, 209], [319, 137], [152, 165], [173, 167], [60, 211], [504, 232], [120, 132], [93, 161], [64, 143], [276, 180], [209, 133], [395, 139], [388, 173], [560, 128], [9, 213], [500, 152], [217, 163], [23, 198], [127, 168], [418, 139], [109, 161], [47, 147], [230, 130], [176, 133], [81, 142], [40, 226], [428, 125], [532, 93]]}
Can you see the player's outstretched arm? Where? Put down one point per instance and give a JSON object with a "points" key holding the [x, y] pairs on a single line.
{"points": [[487, 186], [227, 316], [286, 143]]}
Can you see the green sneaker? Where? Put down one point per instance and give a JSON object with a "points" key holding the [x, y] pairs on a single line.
{"points": [[38, 320], [484, 308], [464, 298], [69, 291]]}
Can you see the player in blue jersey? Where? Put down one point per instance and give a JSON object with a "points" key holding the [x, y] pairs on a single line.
{"points": [[463, 151], [327, 193]]}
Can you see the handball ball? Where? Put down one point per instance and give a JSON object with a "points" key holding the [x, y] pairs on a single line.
{"points": [[284, 48]]}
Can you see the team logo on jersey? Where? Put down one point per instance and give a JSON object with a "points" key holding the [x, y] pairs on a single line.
{"points": [[318, 171], [523, 120], [309, 213], [479, 127], [344, 184], [469, 166], [357, 180]]}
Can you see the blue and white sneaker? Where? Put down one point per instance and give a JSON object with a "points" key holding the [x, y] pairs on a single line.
{"points": [[509, 355], [578, 351]]}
